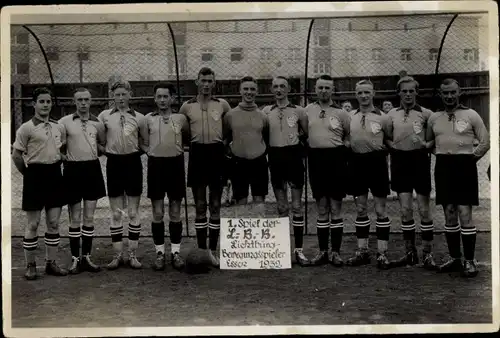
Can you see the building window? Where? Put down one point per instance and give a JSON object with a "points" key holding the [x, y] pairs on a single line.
{"points": [[236, 54], [266, 54], [375, 27], [433, 54], [53, 53], [294, 54], [294, 26], [471, 54], [350, 54], [377, 54], [433, 27], [322, 24], [83, 53], [406, 28], [321, 40], [321, 68], [207, 55], [146, 28], [349, 26], [180, 40], [405, 54], [21, 39], [21, 68]]}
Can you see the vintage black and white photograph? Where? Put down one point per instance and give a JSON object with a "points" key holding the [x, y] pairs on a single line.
{"points": [[330, 168]]}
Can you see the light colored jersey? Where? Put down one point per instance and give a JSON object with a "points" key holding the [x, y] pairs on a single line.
{"points": [[39, 141], [455, 132], [82, 137], [205, 125], [164, 135], [123, 130], [406, 126], [284, 124], [368, 131], [327, 128]]}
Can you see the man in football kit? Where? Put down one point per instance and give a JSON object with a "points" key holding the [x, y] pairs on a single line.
{"points": [[411, 170], [85, 139], [327, 128], [125, 128], [164, 145], [37, 156], [245, 133], [369, 130], [286, 162], [205, 114], [454, 132]]}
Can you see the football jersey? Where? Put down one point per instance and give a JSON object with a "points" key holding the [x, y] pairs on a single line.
{"points": [[39, 141], [164, 134], [284, 124], [247, 129], [326, 128], [123, 130], [368, 131], [205, 123], [455, 132], [82, 136], [406, 126]]}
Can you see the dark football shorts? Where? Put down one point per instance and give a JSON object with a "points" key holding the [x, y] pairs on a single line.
{"points": [[166, 176], [286, 165], [83, 180], [124, 175], [43, 187], [250, 173], [411, 170], [368, 172], [456, 180], [328, 172], [206, 166]]}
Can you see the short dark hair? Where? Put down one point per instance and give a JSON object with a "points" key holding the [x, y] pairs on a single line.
{"points": [[347, 101], [450, 81], [206, 71], [40, 91], [81, 90], [365, 82], [169, 86], [407, 79], [247, 79], [281, 77], [325, 77]]}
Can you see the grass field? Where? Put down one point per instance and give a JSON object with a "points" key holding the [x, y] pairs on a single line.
{"points": [[299, 296]]}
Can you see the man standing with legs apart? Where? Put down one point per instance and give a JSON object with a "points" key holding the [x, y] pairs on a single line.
{"points": [[124, 129], [205, 114], [37, 156], [246, 130], [327, 128], [411, 170], [85, 139], [286, 162], [369, 130], [164, 144], [454, 131]]}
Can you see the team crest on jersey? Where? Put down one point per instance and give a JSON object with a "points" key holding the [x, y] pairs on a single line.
{"points": [[215, 115], [417, 127], [176, 126], [334, 122], [461, 125], [376, 127], [291, 120], [128, 129]]}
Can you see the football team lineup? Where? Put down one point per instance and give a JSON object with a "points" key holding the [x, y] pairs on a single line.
{"points": [[60, 164]]}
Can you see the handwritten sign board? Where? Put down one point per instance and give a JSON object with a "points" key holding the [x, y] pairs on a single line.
{"points": [[255, 243]]}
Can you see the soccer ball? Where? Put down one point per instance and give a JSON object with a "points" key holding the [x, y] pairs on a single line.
{"points": [[197, 261]]}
